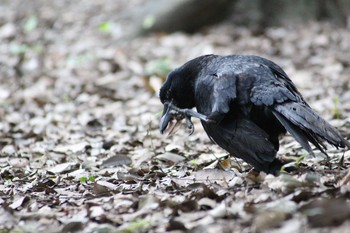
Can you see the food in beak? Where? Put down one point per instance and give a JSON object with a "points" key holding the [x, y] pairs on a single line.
{"points": [[170, 115], [167, 122]]}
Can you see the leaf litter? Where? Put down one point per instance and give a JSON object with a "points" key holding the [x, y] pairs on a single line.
{"points": [[80, 149]]}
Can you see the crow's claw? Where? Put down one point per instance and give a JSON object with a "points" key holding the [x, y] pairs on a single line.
{"points": [[188, 113], [171, 112], [189, 124]]}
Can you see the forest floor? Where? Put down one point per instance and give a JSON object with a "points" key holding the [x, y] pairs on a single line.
{"points": [[80, 147]]}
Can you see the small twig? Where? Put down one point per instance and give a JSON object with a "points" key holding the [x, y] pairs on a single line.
{"points": [[345, 180]]}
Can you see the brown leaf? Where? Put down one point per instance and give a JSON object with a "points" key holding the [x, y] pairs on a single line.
{"points": [[170, 157], [116, 160], [174, 225], [207, 202], [7, 220], [64, 168], [345, 180], [74, 148], [326, 212], [213, 176], [72, 227], [102, 187], [268, 219], [19, 162], [96, 212], [19, 202]]}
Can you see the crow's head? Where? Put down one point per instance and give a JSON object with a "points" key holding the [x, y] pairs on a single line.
{"points": [[178, 90]]}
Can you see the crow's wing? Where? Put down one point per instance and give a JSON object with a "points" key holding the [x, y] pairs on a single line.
{"points": [[244, 139], [215, 92], [274, 89], [238, 135]]}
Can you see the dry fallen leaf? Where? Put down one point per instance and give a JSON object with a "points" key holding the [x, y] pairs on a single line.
{"points": [[326, 212], [345, 180], [213, 176], [19, 202], [63, 168], [170, 157], [80, 148], [116, 160], [268, 220], [102, 187]]}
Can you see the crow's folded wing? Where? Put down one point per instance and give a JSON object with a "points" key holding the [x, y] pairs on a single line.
{"points": [[236, 134], [244, 139], [215, 92]]}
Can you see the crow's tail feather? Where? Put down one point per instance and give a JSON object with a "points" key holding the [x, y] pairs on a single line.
{"points": [[306, 126]]}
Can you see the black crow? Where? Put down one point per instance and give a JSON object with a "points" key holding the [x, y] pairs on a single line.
{"points": [[245, 103]]}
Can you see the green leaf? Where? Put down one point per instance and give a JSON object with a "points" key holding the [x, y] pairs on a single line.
{"points": [[105, 27], [336, 109], [19, 49], [159, 114], [159, 67], [30, 24], [138, 225], [194, 162], [294, 163], [83, 179], [149, 21], [300, 159]]}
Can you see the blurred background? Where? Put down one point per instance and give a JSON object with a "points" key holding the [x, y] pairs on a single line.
{"points": [[79, 80], [74, 56]]}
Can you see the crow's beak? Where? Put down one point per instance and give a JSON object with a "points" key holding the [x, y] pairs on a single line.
{"points": [[166, 118]]}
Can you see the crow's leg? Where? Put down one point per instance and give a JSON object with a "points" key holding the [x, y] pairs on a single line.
{"points": [[189, 124], [188, 113]]}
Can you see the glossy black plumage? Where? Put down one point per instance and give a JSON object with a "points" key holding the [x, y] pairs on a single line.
{"points": [[248, 102]]}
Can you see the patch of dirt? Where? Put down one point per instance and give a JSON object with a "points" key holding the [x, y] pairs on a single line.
{"points": [[80, 148]]}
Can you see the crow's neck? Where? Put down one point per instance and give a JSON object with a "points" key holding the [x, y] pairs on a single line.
{"points": [[190, 72], [194, 67]]}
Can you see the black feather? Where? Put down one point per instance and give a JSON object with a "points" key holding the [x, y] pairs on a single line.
{"points": [[249, 102]]}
